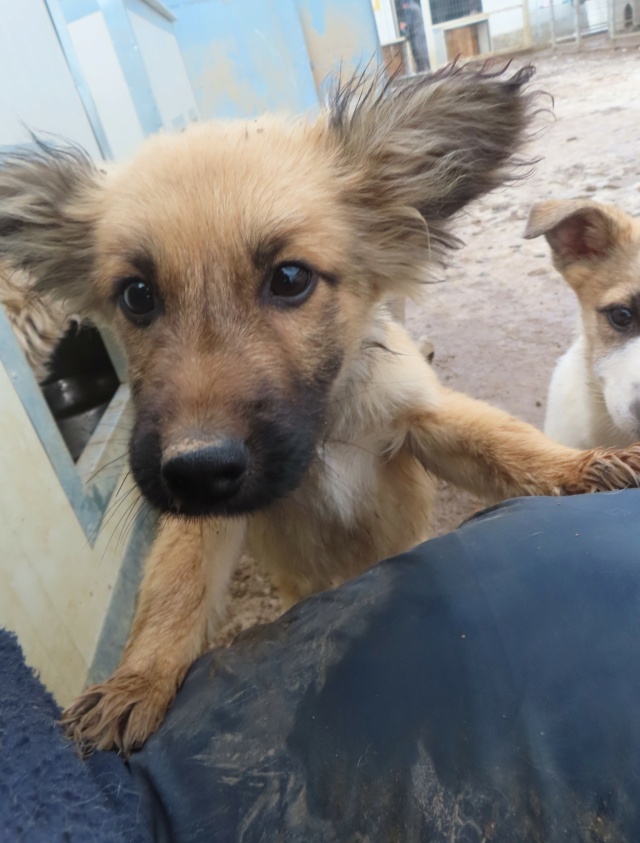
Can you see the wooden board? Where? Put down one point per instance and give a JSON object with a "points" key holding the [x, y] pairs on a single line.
{"points": [[393, 57], [462, 41]]}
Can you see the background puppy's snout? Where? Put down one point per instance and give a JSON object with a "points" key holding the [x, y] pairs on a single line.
{"points": [[207, 474]]}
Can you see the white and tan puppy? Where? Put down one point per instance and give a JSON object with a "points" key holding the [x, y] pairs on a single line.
{"points": [[594, 395]]}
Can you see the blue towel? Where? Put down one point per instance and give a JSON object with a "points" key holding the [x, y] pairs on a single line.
{"points": [[47, 794]]}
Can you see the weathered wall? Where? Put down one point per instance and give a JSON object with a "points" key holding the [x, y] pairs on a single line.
{"points": [[244, 57], [340, 36], [38, 91]]}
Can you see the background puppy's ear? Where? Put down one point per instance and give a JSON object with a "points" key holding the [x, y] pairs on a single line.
{"points": [[415, 152], [47, 217], [578, 230]]}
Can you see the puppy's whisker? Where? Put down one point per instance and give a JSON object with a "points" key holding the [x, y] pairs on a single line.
{"points": [[116, 532], [110, 464], [351, 444], [118, 501], [128, 524]]}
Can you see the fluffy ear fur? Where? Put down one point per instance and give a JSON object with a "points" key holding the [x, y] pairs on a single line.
{"points": [[47, 207], [414, 152], [578, 230], [410, 154]]}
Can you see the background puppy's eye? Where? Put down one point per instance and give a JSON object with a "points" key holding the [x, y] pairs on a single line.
{"points": [[136, 300], [620, 318], [292, 281]]}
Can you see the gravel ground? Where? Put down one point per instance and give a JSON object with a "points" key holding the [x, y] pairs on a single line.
{"points": [[502, 315]]}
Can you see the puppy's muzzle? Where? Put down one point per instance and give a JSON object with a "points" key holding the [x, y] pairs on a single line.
{"points": [[208, 475]]}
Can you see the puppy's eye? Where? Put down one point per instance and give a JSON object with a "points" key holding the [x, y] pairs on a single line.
{"points": [[292, 281], [136, 300], [620, 318]]}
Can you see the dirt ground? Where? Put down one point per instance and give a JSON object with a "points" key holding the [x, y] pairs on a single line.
{"points": [[501, 316]]}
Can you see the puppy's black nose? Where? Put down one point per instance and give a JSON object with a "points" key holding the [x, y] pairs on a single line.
{"points": [[207, 475]]}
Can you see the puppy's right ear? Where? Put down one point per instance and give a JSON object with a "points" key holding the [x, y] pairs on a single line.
{"points": [[47, 217], [578, 230]]}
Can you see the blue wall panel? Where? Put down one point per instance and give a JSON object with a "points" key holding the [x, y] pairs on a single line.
{"points": [[244, 57], [75, 9], [340, 35]]}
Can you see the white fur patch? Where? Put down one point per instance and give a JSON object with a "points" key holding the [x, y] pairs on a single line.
{"points": [[349, 479], [570, 403], [619, 375]]}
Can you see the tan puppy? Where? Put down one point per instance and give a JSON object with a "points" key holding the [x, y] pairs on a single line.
{"points": [[279, 408], [594, 395]]}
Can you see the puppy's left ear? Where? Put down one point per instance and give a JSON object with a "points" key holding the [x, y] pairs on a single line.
{"points": [[417, 151]]}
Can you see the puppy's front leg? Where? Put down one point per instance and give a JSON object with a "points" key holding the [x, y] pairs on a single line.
{"points": [[184, 585], [496, 456]]}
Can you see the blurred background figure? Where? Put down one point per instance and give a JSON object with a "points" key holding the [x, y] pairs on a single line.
{"points": [[412, 27]]}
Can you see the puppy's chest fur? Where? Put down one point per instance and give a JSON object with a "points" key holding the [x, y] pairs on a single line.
{"points": [[364, 497]]}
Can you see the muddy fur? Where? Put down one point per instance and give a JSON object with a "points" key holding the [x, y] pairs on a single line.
{"points": [[306, 428], [39, 321]]}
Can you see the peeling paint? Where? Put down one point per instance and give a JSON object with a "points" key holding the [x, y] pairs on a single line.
{"points": [[340, 37], [244, 58]]}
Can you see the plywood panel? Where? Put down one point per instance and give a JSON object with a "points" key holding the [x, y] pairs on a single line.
{"points": [[55, 587], [462, 41]]}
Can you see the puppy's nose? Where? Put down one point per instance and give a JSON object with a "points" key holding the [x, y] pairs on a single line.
{"points": [[210, 474]]}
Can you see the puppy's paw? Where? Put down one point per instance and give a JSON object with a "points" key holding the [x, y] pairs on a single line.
{"points": [[608, 471], [119, 714]]}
